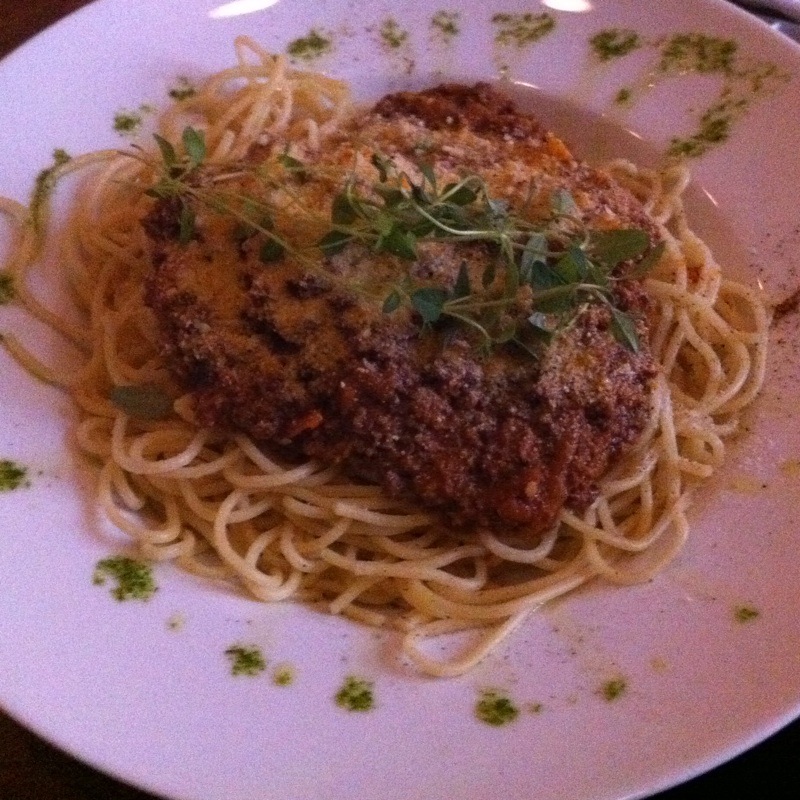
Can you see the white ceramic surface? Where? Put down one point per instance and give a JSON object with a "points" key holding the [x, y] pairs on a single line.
{"points": [[116, 685]]}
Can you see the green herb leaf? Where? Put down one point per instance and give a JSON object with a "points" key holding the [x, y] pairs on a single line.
{"points": [[573, 266], [648, 262], [489, 274], [613, 247], [392, 302], [506, 333], [624, 329], [462, 286], [399, 243], [290, 163], [143, 402], [531, 350], [343, 211], [534, 256], [383, 165], [557, 300], [392, 197], [334, 242], [187, 224], [420, 196], [562, 203], [272, 250], [195, 145], [428, 303], [168, 154], [451, 215], [598, 275], [163, 188], [459, 193], [427, 172]]}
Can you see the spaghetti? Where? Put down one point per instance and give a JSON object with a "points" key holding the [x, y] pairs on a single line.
{"points": [[223, 507]]}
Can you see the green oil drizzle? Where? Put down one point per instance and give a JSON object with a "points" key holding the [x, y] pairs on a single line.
{"points": [[310, 47], [694, 53], [697, 52], [746, 614], [283, 675], [356, 694], [623, 96], [246, 660], [45, 183], [127, 122], [134, 578], [176, 622], [613, 689], [614, 43], [521, 30], [183, 89], [495, 709], [12, 475], [742, 87], [446, 24], [392, 35]]}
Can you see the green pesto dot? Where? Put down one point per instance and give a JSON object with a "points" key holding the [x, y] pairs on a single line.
{"points": [[356, 694], [246, 660], [12, 475], [134, 578], [613, 689], [495, 709]]}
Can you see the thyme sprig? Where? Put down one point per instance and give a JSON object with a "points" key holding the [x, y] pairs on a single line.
{"points": [[540, 269], [553, 266], [180, 181]]}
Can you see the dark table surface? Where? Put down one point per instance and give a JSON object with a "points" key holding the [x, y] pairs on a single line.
{"points": [[31, 769]]}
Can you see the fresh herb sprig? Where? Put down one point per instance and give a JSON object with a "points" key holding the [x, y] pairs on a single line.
{"points": [[181, 182], [553, 267], [537, 276], [175, 181]]}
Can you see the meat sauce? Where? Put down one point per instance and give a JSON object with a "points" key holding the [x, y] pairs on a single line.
{"points": [[306, 359]]}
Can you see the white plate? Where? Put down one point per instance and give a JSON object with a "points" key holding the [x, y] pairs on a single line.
{"points": [[115, 685]]}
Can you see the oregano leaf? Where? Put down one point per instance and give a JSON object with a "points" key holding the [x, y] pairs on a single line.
{"points": [[383, 165], [342, 210], [462, 286], [272, 250], [392, 302], [399, 243], [195, 145], [562, 203], [648, 262], [459, 193], [533, 255], [428, 303], [186, 224], [168, 154], [615, 246], [334, 242], [623, 328]]}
